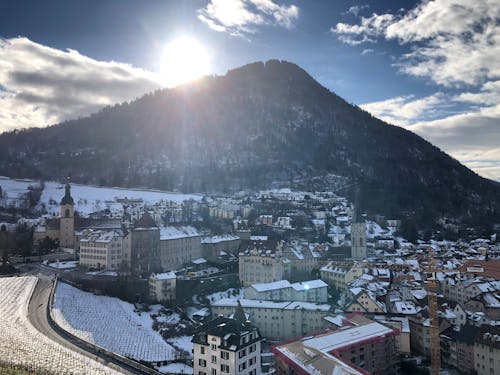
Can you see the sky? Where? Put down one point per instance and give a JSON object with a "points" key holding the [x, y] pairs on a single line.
{"points": [[432, 67]]}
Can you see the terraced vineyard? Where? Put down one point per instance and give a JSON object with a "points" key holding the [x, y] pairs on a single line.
{"points": [[23, 348]]}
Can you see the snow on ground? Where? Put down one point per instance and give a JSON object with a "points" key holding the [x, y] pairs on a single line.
{"points": [[110, 323], [87, 198], [64, 265], [229, 293], [176, 368], [90, 199], [23, 345], [183, 343]]}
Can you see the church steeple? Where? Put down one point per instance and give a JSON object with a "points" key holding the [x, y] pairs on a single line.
{"points": [[67, 199]]}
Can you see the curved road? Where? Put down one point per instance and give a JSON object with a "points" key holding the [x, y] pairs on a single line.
{"points": [[37, 314]]}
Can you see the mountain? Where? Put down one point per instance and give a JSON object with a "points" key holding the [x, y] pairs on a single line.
{"points": [[259, 124]]}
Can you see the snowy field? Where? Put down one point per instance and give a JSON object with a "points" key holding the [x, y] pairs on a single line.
{"points": [[89, 199], [23, 345], [110, 323]]}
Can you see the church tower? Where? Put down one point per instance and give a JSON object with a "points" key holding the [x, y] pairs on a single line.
{"points": [[358, 232], [67, 220]]}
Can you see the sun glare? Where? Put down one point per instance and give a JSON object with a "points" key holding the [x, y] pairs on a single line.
{"points": [[182, 60]]}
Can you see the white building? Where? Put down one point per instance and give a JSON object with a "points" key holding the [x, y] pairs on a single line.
{"points": [[227, 346], [162, 286], [284, 222], [279, 320], [101, 249], [315, 291]]}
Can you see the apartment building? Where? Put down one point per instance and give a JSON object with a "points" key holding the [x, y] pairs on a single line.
{"points": [[101, 249], [279, 320], [487, 350], [315, 291], [366, 348], [227, 346], [340, 274]]}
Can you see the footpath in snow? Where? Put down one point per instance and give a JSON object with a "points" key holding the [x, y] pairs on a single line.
{"points": [[110, 323], [23, 345]]}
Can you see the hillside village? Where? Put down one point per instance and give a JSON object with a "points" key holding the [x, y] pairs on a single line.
{"points": [[277, 281]]}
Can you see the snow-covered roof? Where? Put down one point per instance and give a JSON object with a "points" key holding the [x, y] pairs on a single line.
{"points": [[222, 238], [171, 233], [258, 238], [307, 285], [164, 276], [339, 339], [263, 287], [248, 303]]}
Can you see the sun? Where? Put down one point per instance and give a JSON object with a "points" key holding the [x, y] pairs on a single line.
{"points": [[182, 60]]}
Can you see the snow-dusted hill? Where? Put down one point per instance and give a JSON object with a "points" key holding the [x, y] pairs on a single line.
{"points": [[23, 345], [110, 323], [88, 199]]}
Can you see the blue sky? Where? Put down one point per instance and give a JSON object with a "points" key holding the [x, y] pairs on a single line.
{"points": [[430, 66]]}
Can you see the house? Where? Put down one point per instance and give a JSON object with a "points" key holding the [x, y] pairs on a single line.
{"points": [[365, 301], [339, 274], [227, 346], [162, 287]]}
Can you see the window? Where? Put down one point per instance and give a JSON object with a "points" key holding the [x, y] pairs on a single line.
{"points": [[202, 362], [214, 359], [242, 366], [224, 355], [224, 368], [213, 346], [213, 372], [242, 353]]}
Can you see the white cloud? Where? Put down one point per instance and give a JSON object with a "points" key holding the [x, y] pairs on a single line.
{"points": [[356, 9], [43, 85], [471, 136], [367, 51], [404, 110], [453, 42], [239, 17]]}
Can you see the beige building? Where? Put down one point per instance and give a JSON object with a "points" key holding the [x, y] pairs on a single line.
{"points": [[162, 286], [279, 320], [340, 274], [178, 246], [487, 351], [262, 266], [101, 249], [227, 346], [366, 302]]}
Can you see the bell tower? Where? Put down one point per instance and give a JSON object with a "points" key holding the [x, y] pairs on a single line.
{"points": [[358, 231], [67, 220]]}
